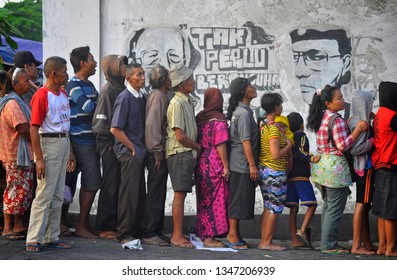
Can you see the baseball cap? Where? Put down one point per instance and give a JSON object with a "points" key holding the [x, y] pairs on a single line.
{"points": [[238, 85], [23, 57]]}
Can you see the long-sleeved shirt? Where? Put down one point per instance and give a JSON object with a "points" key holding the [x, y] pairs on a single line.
{"points": [[340, 135], [301, 163]]}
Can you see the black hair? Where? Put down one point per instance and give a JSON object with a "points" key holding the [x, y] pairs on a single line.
{"points": [[53, 63], [269, 101], [316, 110], [295, 121], [236, 96], [77, 55], [3, 76]]}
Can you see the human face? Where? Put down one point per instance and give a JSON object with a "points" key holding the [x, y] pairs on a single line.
{"points": [[90, 64], [282, 127], [21, 85], [250, 92], [159, 46], [122, 69], [188, 86], [337, 103], [61, 76], [32, 71], [318, 63], [137, 78]]}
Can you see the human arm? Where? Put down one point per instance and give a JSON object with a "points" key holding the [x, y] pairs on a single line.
{"points": [[71, 165], [249, 154], [38, 155], [343, 141], [23, 130], [181, 136], [120, 135], [222, 152]]}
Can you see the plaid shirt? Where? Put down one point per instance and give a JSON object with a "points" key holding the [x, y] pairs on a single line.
{"points": [[340, 135]]}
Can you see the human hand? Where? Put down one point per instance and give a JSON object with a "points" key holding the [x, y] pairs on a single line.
{"points": [[362, 126], [71, 166], [253, 172], [226, 173], [40, 169], [316, 158]]}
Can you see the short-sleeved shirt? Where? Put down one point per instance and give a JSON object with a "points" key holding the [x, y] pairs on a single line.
{"points": [[270, 131], [242, 127], [180, 114], [50, 111], [11, 116], [129, 116]]}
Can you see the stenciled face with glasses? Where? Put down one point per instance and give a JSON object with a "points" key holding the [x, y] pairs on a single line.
{"points": [[318, 63]]}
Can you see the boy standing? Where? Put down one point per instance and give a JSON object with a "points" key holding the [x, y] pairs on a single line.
{"points": [[299, 186]]}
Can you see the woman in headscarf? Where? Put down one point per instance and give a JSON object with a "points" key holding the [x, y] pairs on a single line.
{"points": [[212, 170], [384, 158], [16, 154]]}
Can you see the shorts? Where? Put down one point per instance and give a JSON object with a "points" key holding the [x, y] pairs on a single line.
{"points": [[300, 190], [180, 168], [273, 185], [88, 162], [365, 187], [384, 204], [241, 196]]}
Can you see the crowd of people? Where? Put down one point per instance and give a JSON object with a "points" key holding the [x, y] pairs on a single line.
{"points": [[51, 132]]}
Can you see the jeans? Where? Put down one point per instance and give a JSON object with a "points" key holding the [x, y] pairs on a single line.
{"points": [[334, 204]]}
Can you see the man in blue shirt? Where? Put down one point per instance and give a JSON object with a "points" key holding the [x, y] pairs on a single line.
{"points": [[83, 99], [128, 127]]}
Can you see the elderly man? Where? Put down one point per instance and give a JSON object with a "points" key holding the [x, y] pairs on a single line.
{"points": [[128, 127], [181, 146]]}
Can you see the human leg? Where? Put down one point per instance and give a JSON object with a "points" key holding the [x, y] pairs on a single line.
{"points": [[108, 196], [334, 205], [178, 204], [46, 207], [381, 236], [391, 231], [86, 198], [131, 198], [153, 219], [360, 214], [292, 220], [268, 227]]}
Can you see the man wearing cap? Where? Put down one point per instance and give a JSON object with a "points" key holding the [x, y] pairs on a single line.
{"points": [[181, 146], [128, 127], [26, 60]]}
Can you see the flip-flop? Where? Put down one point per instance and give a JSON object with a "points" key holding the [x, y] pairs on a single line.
{"points": [[303, 239], [218, 244], [13, 237], [32, 248], [186, 244], [335, 252], [240, 245], [59, 244]]}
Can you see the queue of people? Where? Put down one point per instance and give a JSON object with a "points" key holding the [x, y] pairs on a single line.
{"points": [[66, 127]]}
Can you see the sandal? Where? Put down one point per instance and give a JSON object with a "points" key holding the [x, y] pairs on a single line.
{"points": [[59, 244], [186, 244], [65, 231], [335, 251], [240, 245], [33, 248]]}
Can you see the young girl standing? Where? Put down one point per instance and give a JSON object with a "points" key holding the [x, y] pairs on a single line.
{"points": [[332, 171]]}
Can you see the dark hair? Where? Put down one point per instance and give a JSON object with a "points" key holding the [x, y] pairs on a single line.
{"points": [[339, 35], [295, 121], [237, 88], [269, 101], [53, 63], [3, 76], [130, 67], [316, 110], [77, 55]]}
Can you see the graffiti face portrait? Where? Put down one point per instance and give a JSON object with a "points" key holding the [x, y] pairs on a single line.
{"points": [[165, 46], [321, 58]]}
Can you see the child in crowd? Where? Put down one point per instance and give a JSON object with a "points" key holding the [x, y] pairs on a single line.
{"points": [[299, 186], [362, 150], [273, 167], [283, 125]]}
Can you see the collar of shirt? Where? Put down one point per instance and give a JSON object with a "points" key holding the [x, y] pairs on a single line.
{"points": [[247, 107], [135, 93]]}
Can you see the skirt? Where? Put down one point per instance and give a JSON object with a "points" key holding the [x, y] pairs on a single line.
{"points": [[331, 171]]}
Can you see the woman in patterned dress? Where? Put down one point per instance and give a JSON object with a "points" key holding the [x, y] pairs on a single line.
{"points": [[212, 170]]}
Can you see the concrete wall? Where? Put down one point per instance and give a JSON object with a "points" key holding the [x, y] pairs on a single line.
{"points": [[223, 39]]}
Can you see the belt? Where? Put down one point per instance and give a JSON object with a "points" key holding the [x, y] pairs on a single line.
{"points": [[54, 135]]}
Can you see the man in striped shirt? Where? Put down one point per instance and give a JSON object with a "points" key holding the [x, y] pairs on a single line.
{"points": [[83, 99]]}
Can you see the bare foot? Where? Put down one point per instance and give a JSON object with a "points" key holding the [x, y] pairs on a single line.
{"points": [[371, 247], [391, 253], [381, 251], [20, 229], [362, 251], [297, 244], [183, 243], [271, 247], [85, 233]]}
